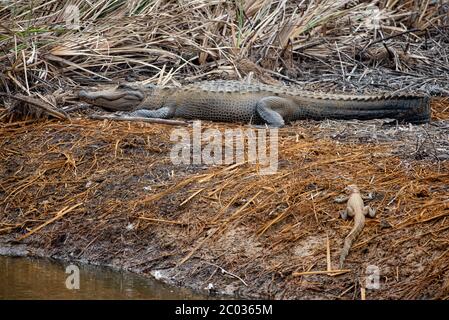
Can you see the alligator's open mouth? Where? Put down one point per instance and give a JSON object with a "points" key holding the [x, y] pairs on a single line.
{"points": [[122, 98]]}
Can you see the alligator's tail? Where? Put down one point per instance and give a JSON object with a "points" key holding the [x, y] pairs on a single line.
{"points": [[359, 223], [404, 108]]}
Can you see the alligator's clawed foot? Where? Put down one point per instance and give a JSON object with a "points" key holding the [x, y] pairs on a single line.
{"points": [[368, 196], [341, 199], [371, 212], [344, 215], [121, 114], [368, 211]]}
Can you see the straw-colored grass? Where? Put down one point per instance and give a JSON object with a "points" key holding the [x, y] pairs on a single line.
{"points": [[328, 42], [108, 190]]}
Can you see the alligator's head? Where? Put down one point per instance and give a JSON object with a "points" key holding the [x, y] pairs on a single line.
{"points": [[352, 188], [124, 97]]}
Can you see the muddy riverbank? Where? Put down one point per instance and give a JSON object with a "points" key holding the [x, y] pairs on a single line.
{"points": [[107, 193]]}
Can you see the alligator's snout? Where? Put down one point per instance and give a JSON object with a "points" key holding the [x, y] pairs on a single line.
{"points": [[117, 99]]}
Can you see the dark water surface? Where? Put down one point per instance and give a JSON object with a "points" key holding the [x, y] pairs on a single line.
{"points": [[30, 278]]}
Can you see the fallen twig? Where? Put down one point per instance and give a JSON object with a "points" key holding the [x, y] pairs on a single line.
{"points": [[329, 273], [37, 103], [227, 272], [162, 220], [59, 215]]}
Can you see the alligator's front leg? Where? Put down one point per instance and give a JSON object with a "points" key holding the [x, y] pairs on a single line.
{"points": [[273, 110], [161, 113]]}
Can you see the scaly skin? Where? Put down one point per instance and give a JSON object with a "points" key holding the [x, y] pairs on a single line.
{"points": [[233, 101], [355, 208]]}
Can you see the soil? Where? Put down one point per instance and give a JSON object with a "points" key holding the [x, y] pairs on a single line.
{"points": [[107, 193]]}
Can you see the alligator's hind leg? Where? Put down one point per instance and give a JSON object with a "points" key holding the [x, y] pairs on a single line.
{"points": [[368, 211], [273, 109], [161, 113]]}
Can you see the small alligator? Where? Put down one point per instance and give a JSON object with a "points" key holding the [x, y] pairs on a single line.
{"points": [[356, 209], [233, 101]]}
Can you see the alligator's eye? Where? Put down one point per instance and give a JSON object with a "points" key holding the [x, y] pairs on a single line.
{"points": [[124, 86]]}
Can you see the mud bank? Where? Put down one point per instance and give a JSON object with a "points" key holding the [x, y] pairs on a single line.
{"points": [[107, 193], [130, 264]]}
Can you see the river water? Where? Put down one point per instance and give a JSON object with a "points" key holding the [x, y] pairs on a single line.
{"points": [[32, 278]]}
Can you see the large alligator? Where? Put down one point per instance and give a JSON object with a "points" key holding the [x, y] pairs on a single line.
{"points": [[233, 101]]}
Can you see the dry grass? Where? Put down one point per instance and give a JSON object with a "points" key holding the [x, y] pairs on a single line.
{"points": [[83, 184], [335, 45]]}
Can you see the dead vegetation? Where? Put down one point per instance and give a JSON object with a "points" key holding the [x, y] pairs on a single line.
{"points": [[107, 191], [341, 45]]}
